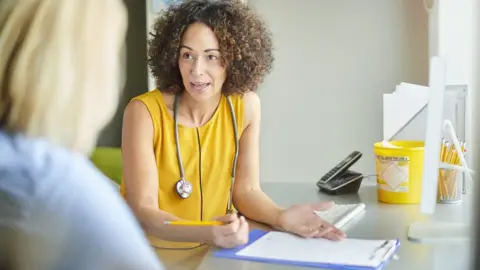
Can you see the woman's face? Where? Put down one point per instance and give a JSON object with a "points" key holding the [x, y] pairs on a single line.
{"points": [[199, 61]]}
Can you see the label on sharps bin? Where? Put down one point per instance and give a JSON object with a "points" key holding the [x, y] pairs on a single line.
{"points": [[392, 173]]}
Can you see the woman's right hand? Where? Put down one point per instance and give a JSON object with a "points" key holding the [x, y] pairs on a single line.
{"points": [[233, 233]]}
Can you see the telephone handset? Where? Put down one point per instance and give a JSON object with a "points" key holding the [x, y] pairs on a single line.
{"points": [[341, 180]]}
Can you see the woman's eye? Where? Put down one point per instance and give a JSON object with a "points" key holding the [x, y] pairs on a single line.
{"points": [[187, 56], [212, 57]]}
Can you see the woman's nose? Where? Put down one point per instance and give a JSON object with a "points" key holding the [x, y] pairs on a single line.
{"points": [[198, 67]]}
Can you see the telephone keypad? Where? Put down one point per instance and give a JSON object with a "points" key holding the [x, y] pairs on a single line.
{"points": [[342, 166]]}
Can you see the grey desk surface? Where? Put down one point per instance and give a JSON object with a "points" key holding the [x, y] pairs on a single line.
{"points": [[379, 221]]}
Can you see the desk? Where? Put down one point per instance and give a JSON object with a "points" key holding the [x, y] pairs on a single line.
{"points": [[378, 221]]}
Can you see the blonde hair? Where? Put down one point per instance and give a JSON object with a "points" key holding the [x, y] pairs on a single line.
{"points": [[60, 68]]}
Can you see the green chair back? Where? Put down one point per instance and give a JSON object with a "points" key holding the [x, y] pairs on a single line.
{"points": [[109, 161]]}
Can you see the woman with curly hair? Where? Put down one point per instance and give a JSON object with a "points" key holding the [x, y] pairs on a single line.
{"points": [[191, 146]]}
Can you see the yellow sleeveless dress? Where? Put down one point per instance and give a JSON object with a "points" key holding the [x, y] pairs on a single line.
{"points": [[207, 153]]}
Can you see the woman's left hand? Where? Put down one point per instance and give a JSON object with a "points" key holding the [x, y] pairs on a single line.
{"points": [[302, 220]]}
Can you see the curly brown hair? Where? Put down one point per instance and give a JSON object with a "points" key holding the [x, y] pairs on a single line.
{"points": [[244, 40]]}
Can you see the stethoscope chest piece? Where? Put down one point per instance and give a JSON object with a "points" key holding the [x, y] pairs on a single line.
{"points": [[184, 188]]}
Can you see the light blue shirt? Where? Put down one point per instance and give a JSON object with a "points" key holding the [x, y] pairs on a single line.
{"points": [[57, 211]]}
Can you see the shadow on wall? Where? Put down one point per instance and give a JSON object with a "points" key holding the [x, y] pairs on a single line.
{"points": [[135, 70]]}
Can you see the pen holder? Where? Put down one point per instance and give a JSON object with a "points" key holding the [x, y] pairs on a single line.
{"points": [[449, 186]]}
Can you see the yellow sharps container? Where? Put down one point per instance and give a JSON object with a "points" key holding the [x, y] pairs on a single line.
{"points": [[399, 167]]}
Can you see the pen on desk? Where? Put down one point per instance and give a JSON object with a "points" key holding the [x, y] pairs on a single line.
{"points": [[192, 223], [383, 245]]}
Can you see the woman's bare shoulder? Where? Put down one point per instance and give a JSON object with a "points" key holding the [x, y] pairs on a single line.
{"points": [[252, 107], [136, 110]]}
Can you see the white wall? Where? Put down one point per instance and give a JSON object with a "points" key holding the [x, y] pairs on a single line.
{"points": [[334, 60], [451, 36]]}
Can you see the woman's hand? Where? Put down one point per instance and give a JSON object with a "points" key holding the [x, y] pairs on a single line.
{"points": [[302, 220], [233, 233]]}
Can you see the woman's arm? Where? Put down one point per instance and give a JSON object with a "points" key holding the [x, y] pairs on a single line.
{"points": [[248, 197], [251, 201], [141, 180]]}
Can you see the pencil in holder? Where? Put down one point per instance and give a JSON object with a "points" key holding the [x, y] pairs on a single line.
{"points": [[449, 186]]}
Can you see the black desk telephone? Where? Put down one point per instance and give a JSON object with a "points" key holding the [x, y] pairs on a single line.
{"points": [[341, 180]]}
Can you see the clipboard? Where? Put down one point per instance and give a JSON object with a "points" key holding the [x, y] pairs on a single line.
{"points": [[383, 250]]}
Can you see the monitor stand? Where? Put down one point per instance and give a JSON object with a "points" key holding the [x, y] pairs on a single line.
{"points": [[430, 232]]}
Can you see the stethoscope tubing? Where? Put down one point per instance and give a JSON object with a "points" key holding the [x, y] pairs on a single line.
{"points": [[235, 158]]}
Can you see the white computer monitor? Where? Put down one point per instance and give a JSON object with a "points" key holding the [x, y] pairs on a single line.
{"points": [[437, 126], [433, 135]]}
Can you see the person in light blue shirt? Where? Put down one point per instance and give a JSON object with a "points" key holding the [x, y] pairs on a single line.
{"points": [[57, 210], [59, 86]]}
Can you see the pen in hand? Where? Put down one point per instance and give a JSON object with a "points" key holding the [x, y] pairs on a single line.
{"points": [[192, 223]]}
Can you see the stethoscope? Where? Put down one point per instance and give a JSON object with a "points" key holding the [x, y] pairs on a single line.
{"points": [[183, 187]]}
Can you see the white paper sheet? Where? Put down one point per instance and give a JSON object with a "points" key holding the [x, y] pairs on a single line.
{"points": [[399, 109], [285, 246]]}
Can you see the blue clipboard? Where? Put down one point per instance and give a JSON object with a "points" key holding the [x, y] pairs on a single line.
{"points": [[256, 234]]}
